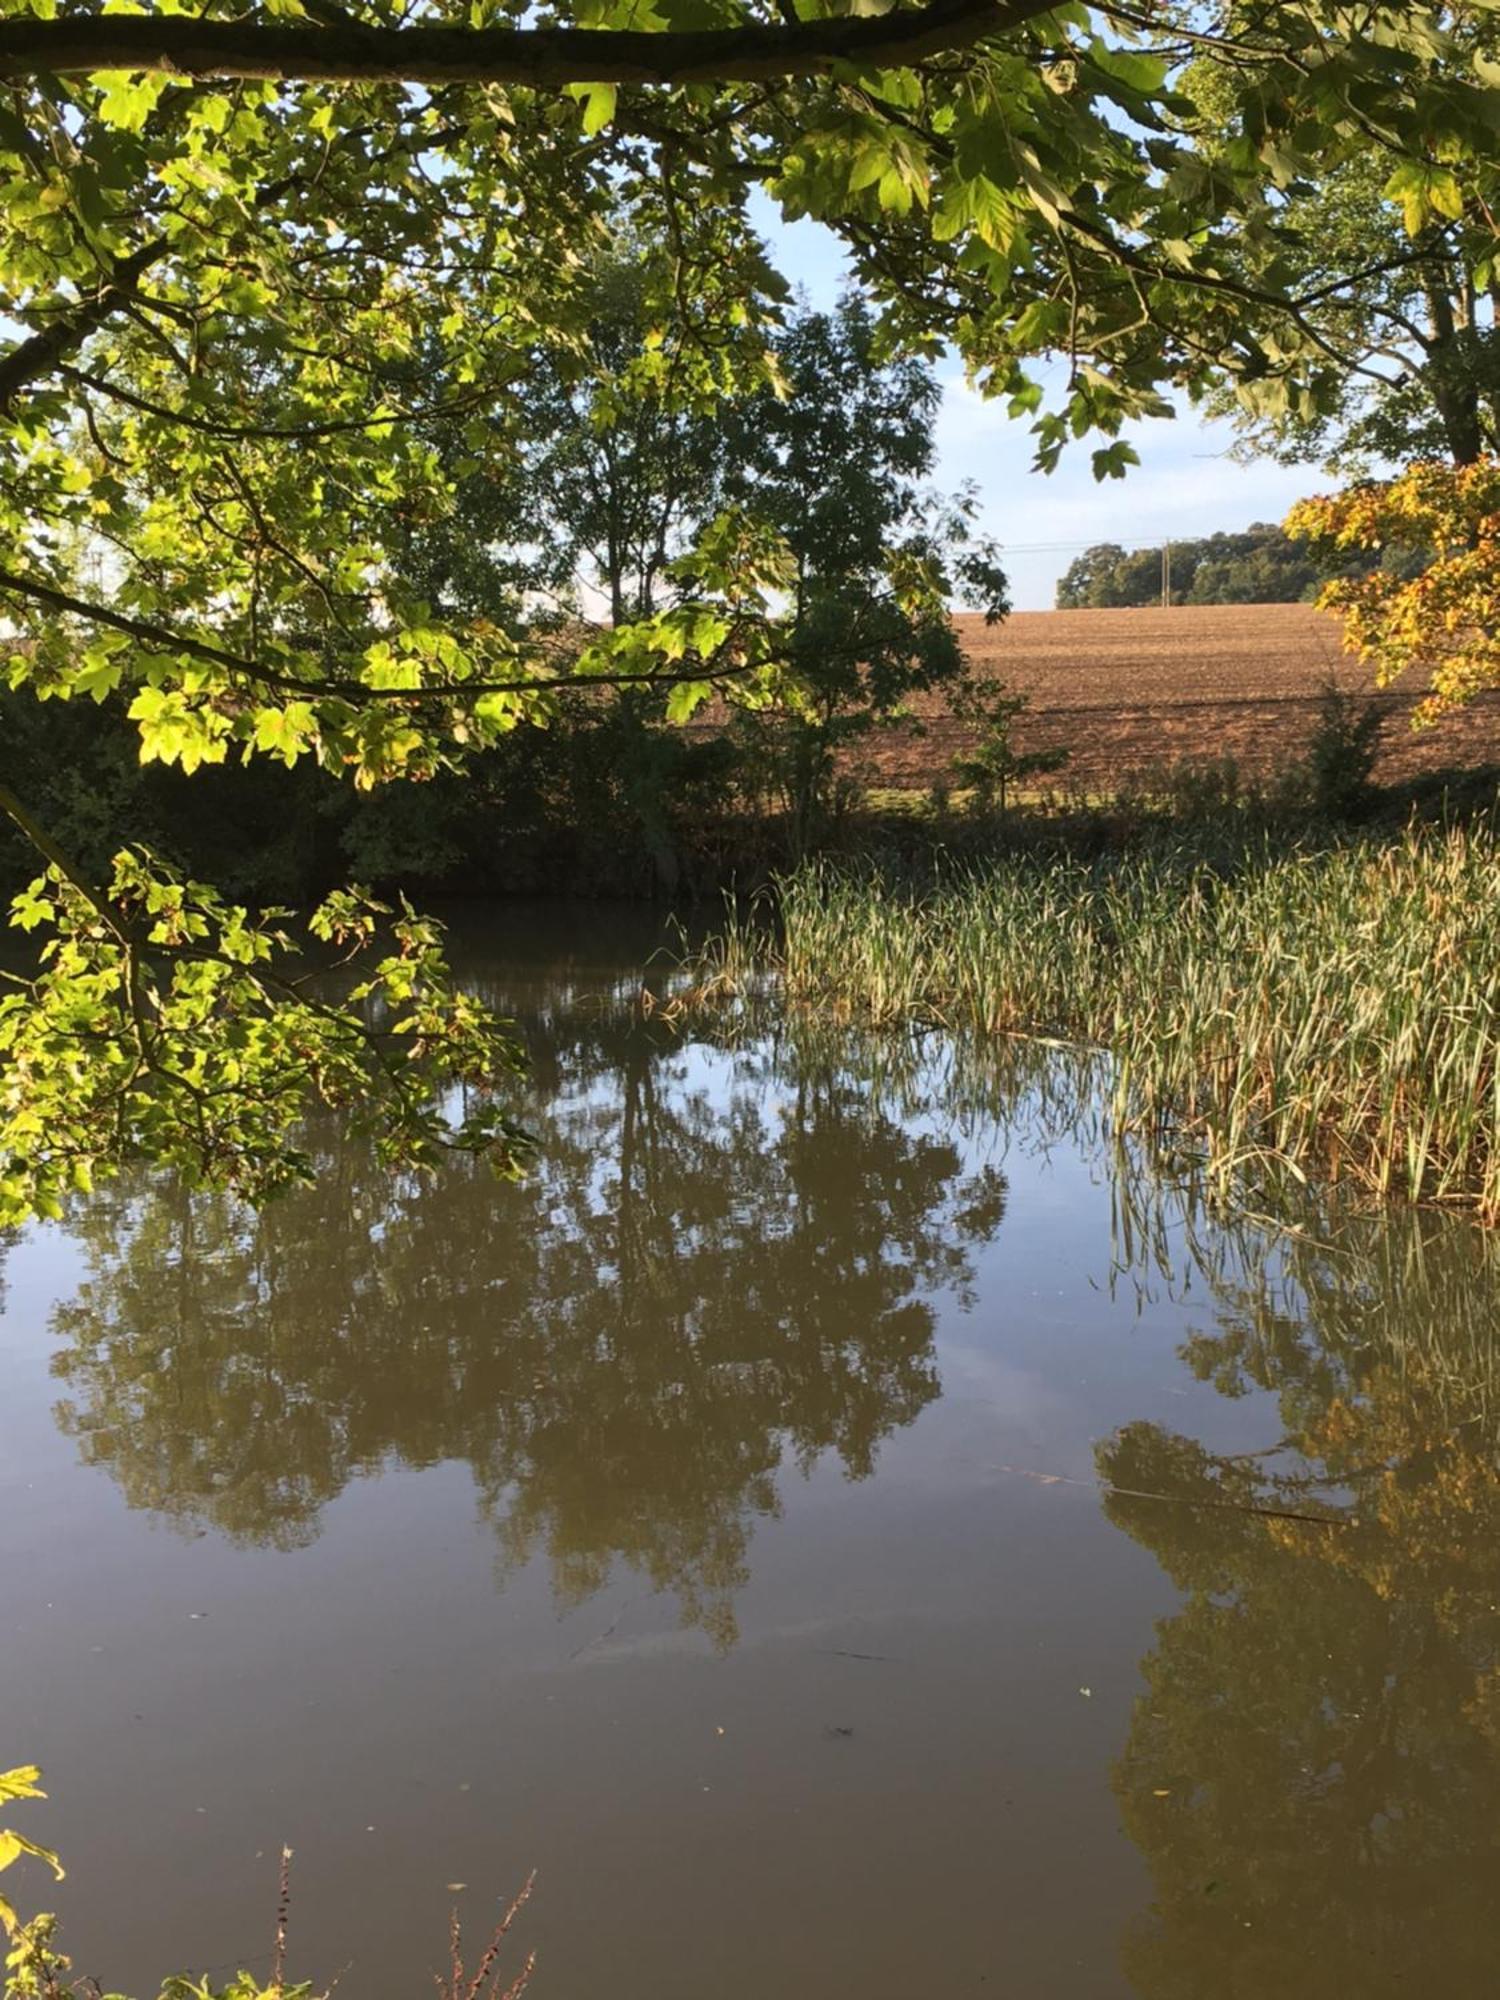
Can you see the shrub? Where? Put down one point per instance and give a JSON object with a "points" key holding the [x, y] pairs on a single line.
{"points": [[1342, 754]]}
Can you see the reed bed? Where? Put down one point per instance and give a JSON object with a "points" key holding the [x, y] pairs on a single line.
{"points": [[1333, 1013]]}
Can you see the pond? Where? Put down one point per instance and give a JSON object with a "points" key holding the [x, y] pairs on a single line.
{"points": [[846, 1526]]}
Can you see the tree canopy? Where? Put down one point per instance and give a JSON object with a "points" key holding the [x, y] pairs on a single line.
{"points": [[276, 281], [1260, 564], [1403, 260], [1436, 620]]}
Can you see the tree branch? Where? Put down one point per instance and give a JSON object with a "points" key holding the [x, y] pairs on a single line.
{"points": [[159, 636], [40, 353], [34, 832], [338, 688], [180, 45], [288, 433]]}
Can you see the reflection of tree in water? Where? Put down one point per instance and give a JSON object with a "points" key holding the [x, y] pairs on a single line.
{"points": [[719, 1262], [1314, 1771]]}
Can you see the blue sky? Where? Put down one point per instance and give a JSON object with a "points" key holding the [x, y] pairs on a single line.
{"points": [[1184, 485]]}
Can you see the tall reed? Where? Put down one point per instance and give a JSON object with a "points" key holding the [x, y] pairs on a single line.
{"points": [[1333, 1012]]}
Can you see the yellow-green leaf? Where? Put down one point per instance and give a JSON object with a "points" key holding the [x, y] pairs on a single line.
{"points": [[22, 1783]]}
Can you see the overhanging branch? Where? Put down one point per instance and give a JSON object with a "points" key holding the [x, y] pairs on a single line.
{"points": [[180, 45], [32, 829], [40, 353], [347, 688]]}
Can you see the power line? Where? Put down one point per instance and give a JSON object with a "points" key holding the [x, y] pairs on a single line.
{"points": [[1071, 548]]}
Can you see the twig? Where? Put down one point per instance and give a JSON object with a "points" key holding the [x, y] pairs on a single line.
{"points": [[1108, 1487]]}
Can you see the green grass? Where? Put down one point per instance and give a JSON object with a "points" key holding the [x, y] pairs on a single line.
{"points": [[1331, 1013]]}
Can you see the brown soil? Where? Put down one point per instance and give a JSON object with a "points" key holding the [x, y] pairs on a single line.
{"points": [[1123, 691]]}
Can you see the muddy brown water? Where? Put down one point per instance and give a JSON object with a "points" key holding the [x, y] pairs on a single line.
{"points": [[850, 1531]]}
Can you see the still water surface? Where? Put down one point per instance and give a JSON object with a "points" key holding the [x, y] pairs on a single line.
{"points": [[851, 1534]]}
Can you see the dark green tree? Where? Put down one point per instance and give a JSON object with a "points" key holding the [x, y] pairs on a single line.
{"points": [[836, 457], [1260, 564], [623, 469], [1399, 255], [995, 761]]}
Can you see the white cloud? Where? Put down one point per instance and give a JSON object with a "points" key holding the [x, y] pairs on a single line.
{"points": [[1185, 484]]}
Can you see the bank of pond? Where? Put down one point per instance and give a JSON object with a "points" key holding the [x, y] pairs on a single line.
{"points": [[1326, 1011]]}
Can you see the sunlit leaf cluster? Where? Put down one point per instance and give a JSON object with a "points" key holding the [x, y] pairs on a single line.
{"points": [[166, 1024], [1438, 624], [22, 1783]]}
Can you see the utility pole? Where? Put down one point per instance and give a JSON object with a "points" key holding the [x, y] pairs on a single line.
{"points": [[1166, 576]]}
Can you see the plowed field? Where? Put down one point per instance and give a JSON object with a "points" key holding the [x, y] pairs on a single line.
{"points": [[1124, 690]]}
